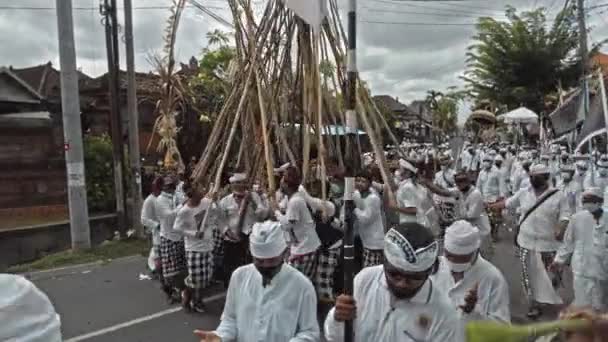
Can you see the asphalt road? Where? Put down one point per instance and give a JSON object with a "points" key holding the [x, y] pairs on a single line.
{"points": [[100, 303]]}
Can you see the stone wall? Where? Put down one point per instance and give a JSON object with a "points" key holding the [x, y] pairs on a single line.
{"points": [[25, 244]]}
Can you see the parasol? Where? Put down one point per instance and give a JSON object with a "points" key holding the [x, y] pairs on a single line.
{"points": [[483, 116]]}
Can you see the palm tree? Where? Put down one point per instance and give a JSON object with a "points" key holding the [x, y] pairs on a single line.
{"points": [[217, 37]]}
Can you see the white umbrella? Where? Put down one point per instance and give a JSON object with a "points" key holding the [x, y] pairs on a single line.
{"points": [[521, 115]]}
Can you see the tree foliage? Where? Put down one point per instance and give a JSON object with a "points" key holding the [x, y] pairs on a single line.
{"points": [[99, 173], [211, 85], [519, 61], [444, 107]]}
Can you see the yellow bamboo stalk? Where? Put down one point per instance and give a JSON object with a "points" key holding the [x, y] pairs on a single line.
{"points": [[319, 100], [267, 152]]}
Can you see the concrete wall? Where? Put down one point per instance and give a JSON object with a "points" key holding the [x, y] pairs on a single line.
{"points": [[25, 244]]}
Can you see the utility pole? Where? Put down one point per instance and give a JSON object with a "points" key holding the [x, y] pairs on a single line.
{"points": [[583, 49], [134, 157], [352, 160], [72, 130], [111, 31]]}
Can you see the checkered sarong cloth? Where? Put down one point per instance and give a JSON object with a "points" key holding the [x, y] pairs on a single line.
{"points": [[306, 263], [200, 269], [173, 257], [327, 264], [372, 257], [218, 242]]}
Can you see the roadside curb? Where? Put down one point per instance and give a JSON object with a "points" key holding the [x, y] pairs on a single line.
{"points": [[70, 269]]}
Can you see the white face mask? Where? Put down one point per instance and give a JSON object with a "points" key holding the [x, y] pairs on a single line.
{"points": [[591, 207], [487, 164], [458, 268], [603, 172]]}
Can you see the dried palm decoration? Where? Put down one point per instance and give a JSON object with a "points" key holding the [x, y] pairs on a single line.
{"points": [[172, 101], [286, 98]]}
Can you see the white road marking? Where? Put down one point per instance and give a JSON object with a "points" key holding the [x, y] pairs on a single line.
{"points": [[138, 321]]}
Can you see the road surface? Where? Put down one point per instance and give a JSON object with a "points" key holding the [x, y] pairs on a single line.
{"points": [[103, 303]]}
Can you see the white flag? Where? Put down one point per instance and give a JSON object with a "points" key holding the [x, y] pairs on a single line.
{"points": [[311, 11]]}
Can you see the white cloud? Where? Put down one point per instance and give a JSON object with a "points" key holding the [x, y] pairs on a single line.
{"points": [[401, 60]]}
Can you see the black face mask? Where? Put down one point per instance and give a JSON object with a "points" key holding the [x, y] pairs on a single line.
{"points": [[538, 182], [269, 272], [498, 165], [402, 293], [465, 188], [527, 168]]}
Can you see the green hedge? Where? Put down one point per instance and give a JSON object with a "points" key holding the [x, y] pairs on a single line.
{"points": [[99, 173]]}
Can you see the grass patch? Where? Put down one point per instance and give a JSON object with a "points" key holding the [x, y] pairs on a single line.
{"points": [[105, 252]]}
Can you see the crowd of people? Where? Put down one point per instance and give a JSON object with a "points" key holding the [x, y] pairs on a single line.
{"points": [[423, 250]]}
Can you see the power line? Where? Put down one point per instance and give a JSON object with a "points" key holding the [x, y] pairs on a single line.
{"points": [[431, 8], [32, 8], [206, 10], [416, 23], [423, 13], [459, 4]]}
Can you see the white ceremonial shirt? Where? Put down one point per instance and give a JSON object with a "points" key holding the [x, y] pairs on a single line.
{"points": [[410, 195], [586, 245], [492, 294], [369, 220], [445, 179], [149, 219], [597, 181], [537, 232], [166, 211], [189, 222], [428, 316], [299, 226], [579, 178], [472, 209], [229, 211], [488, 183], [519, 178], [573, 195], [504, 180], [283, 311], [179, 195]]}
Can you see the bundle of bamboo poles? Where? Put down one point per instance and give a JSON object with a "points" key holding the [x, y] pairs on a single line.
{"points": [[287, 90]]}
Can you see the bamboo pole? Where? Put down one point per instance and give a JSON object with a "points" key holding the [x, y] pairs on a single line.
{"points": [[267, 153], [319, 99]]}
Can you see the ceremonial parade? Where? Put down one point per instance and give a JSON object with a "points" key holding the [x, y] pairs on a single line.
{"points": [[267, 193]]}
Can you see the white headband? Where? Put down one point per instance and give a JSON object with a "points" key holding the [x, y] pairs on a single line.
{"points": [[267, 240], [462, 238], [399, 253], [237, 178], [404, 164]]}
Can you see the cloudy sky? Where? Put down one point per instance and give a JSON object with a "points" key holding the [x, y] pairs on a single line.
{"points": [[405, 47]]}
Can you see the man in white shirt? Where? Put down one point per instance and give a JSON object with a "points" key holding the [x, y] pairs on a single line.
{"points": [[268, 300], [474, 285], [397, 301], [544, 216], [368, 220], [298, 225], [198, 240], [150, 222], [599, 178], [447, 205], [580, 174], [569, 187], [237, 214], [172, 252], [489, 184], [411, 196], [584, 248]]}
